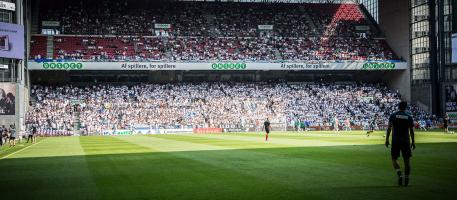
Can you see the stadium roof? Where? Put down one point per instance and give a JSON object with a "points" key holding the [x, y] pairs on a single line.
{"points": [[281, 1]]}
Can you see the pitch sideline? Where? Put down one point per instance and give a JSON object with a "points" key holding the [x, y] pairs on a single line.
{"points": [[6, 156]]}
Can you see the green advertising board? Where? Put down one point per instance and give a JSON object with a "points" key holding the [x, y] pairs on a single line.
{"points": [[62, 65], [378, 66], [228, 66]]}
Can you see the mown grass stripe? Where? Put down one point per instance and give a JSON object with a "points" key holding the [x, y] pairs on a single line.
{"points": [[109, 145], [231, 143], [168, 175], [55, 168], [15, 151], [196, 167], [169, 145]]}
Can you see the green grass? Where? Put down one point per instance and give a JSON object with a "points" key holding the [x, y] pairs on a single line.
{"points": [[6, 150], [312, 165]]}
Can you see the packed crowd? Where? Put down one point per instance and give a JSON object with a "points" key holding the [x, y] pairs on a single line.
{"points": [[122, 17], [134, 48], [220, 105], [53, 112], [126, 31]]}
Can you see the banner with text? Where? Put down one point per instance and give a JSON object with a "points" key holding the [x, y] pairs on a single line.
{"points": [[7, 6], [208, 130], [50, 23], [362, 28], [450, 92], [162, 26], [175, 131], [117, 132], [381, 65], [11, 41], [265, 27]]}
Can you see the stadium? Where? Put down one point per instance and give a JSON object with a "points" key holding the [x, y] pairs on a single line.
{"points": [[228, 99]]}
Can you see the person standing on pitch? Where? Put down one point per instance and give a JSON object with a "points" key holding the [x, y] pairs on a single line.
{"points": [[422, 125], [336, 124], [446, 123], [13, 135], [31, 136], [347, 124], [373, 125], [3, 132], [403, 128], [1, 136], [35, 134], [267, 127]]}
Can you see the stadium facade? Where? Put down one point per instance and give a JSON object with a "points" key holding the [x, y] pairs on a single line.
{"points": [[409, 59], [14, 81]]}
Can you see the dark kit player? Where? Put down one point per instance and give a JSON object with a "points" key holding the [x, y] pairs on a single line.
{"points": [[267, 127], [446, 123], [373, 125], [403, 128], [32, 135]]}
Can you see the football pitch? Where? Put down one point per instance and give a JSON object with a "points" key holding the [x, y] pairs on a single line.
{"points": [[311, 165]]}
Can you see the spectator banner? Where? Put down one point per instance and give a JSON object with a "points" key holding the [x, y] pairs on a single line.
{"points": [[278, 126], [11, 41], [162, 26], [362, 28], [175, 131], [366, 99], [50, 23], [7, 6], [235, 130], [208, 130], [143, 130], [450, 92], [228, 65], [52, 133], [265, 27], [7, 99], [117, 132]]}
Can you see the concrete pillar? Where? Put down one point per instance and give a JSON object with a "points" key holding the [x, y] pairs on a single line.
{"points": [[394, 23]]}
